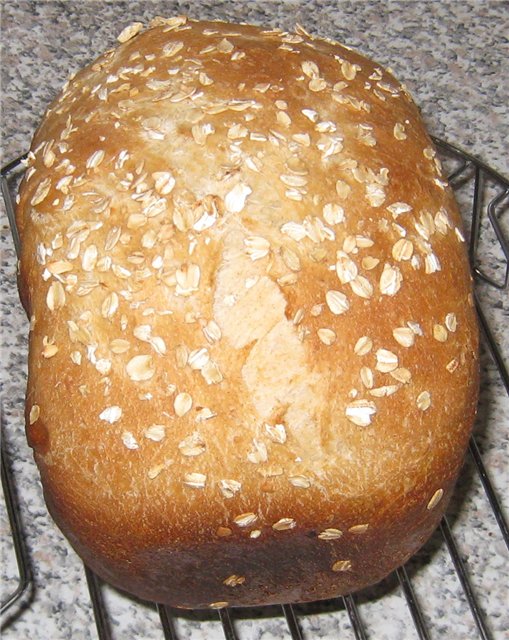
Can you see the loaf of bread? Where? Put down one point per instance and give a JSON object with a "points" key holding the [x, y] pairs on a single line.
{"points": [[253, 361]]}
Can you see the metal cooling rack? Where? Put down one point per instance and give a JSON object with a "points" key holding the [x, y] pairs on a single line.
{"points": [[487, 202]]}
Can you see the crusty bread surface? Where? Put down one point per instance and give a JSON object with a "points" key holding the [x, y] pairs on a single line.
{"points": [[253, 350]]}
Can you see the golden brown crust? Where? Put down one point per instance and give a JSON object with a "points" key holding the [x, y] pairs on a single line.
{"points": [[253, 350]]}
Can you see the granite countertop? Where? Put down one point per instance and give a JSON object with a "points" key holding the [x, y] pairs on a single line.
{"points": [[453, 58]]}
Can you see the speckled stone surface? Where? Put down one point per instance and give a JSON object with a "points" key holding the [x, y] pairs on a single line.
{"points": [[453, 56]]}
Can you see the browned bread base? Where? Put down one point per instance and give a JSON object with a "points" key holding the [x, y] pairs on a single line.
{"points": [[253, 352]]}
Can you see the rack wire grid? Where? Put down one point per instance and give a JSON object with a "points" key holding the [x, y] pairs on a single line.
{"points": [[483, 195]]}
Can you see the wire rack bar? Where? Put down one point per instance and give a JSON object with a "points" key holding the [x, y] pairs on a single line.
{"points": [[98, 606], [226, 621], [166, 623], [492, 208], [355, 620], [475, 227], [463, 155], [502, 240], [412, 603], [492, 346], [291, 621], [9, 205], [488, 489], [464, 580], [24, 574], [465, 164]]}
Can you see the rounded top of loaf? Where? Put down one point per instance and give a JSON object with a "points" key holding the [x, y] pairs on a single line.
{"points": [[251, 305]]}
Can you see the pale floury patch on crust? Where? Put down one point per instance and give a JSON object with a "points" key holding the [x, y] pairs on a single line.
{"points": [[278, 374], [244, 314]]}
